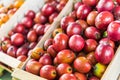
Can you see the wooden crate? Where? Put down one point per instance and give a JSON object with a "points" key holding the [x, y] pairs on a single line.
{"points": [[17, 17], [112, 72]]}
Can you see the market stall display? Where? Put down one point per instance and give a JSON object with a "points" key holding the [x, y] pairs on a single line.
{"points": [[83, 41]]}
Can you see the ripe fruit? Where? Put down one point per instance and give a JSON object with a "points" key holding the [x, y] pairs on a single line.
{"points": [[48, 9], [30, 14], [113, 31], [74, 28], [103, 19], [19, 28], [99, 69], [17, 39], [27, 22], [82, 65], [92, 33], [105, 5], [45, 59], [83, 11], [80, 76], [60, 42], [37, 53], [21, 51], [91, 57], [47, 43], [104, 53], [48, 72], [22, 58], [76, 43], [12, 51], [65, 21], [32, 36], [63, 68], [68, 76], [90, 45], [65, 56], [90, 2], [33, 67], [91, 17]]}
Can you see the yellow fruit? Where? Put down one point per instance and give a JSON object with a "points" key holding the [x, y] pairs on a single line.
{"points": [[99, 70], [18, 3]]}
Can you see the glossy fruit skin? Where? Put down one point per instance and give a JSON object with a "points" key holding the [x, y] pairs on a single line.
{"points": [[99, 69], [80, 76], [76, 43], [27, 22], [90, 2], [107, 41], [90, 45], [40, 29], [21, 51], [19, 28], [60, 41], [104, 53], [47, 43], [48, 72], [52, 17], [45, 59], [37, 53], [30, 14], [33, 67], [77, 5], [112, 30], [82, 65], [74, 28], [91, 57], [116, 12], [32, 36], [83, 11], [65, 21], [17, 39], [12, 51], [91, 17], [65, 56], [48, 9], [83, 23], [40, 18], [22, 58], [63, 68], [51, 51], [5, 44], [68, 76], [103, 19], [92, 33], [103, 5]]}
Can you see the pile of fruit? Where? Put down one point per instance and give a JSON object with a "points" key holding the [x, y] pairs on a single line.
{"points": [[27, 33], [8, 8], [82, 46]]}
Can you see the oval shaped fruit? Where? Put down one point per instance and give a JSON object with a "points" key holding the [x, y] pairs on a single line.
{"points": [[65, 56], [48, 72], [76, 43], [17, 39], [104, 53], [82, 65], [103, 19], [60, 41]]}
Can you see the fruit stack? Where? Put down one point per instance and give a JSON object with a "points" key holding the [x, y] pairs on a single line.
{"points": [[82, 45], [8, 8], [27, 31], [80, 42]]}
